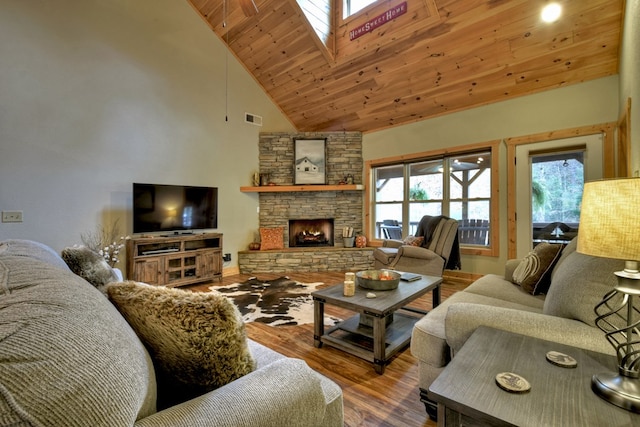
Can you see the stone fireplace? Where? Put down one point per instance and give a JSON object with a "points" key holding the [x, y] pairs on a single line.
{"points": [[310, 232], [344, 208], [338, 208]]}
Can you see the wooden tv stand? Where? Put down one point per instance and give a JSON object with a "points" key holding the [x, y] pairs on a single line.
{"points": [[175, 260]]}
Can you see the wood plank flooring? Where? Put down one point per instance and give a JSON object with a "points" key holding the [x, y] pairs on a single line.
{"points": [[391, 399]]}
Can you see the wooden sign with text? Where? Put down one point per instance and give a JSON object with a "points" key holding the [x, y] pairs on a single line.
{"points": [[379, 20]]}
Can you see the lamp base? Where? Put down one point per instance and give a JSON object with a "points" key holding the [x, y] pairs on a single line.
{"points": [[617, 389]]}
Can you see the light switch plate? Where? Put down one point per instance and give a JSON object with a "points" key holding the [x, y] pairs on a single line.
{"points": [[11, 216]]}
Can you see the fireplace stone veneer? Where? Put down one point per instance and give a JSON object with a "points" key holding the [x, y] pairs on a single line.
{"points": [[345, 207], [343, 158]]}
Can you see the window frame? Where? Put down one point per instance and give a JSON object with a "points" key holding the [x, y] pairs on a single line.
{"points": [[609, 166], [343, 6], [493, 248]]}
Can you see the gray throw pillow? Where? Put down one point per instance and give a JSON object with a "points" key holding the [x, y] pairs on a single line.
{"points": [[89, 265], [579, 283]]}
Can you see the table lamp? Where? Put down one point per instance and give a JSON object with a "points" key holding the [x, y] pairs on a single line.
{"points": [[609, 228]]}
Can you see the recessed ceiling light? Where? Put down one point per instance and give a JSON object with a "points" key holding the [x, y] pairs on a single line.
{"points": [[551, 12]]}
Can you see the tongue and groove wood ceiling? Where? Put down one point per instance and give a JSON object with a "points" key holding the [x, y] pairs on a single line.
{"points": [[439, 57]]}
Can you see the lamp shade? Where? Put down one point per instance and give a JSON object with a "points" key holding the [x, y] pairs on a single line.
{"points": [[609, 219]]}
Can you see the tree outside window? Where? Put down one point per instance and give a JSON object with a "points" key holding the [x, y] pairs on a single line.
{"points": [[557, 181]]}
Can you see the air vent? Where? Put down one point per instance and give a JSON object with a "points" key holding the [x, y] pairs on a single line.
{"points": [[253, 119]]}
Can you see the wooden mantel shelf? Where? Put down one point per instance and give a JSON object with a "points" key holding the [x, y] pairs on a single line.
{"points": [[305, 188]]}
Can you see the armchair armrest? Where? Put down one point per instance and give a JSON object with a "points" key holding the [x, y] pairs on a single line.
{"points": [[463, 319], [392, 243], [285, 392]]}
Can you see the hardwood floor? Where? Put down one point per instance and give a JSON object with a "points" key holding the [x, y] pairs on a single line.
{"points": [[391, 399]]}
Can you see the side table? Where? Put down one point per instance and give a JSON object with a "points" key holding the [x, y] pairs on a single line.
{"points": [[467, 394]]}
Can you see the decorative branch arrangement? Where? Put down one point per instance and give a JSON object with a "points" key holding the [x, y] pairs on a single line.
{"points": [[105, 242]]}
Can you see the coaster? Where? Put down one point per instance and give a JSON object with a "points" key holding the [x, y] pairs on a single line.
{"points": [[561, 359], [513, 383]]}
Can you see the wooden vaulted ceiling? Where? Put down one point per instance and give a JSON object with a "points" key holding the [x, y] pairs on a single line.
{"points": [[439, 57]]}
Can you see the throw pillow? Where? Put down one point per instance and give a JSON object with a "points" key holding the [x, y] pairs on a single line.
{"points": [[197, 340], [271, 238], [89, 265], [534, 271], [413, 240], [579, 283]]}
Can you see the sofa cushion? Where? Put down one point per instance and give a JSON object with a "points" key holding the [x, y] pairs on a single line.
{"points": [[89, 265], [578, 284], [197, 340], [67, 357], [568, 250], [495, 286], [271, 238], [534, 271]]}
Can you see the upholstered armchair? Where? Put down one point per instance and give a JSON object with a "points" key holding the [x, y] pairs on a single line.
{"points": [[434, 248]]}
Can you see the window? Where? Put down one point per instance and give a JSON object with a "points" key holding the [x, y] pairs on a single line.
{"points": [[557, 180], [350, 7], [405, 192]]}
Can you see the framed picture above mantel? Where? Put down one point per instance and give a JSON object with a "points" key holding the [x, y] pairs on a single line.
{"points": [[309, 165]]}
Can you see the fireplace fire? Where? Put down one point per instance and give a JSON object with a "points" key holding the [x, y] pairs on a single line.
{"points": [[311, 232]]}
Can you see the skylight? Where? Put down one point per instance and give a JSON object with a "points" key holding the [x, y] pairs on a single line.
{"points": [[350, 7]]}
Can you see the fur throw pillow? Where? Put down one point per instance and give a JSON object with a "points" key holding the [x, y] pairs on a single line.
{"points": [[89, 265], [197, 340]]}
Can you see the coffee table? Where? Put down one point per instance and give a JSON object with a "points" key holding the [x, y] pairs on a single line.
{"points": [[382, 325], [467, 394]]}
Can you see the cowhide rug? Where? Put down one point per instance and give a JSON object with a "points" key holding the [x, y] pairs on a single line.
{"points": [[279, 302]]}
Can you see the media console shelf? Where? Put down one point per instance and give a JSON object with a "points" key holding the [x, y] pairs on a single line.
{"points": [[175, 260]]}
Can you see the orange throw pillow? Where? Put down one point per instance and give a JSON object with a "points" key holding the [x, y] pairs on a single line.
{"points": [[413, 240], [271, 238]]}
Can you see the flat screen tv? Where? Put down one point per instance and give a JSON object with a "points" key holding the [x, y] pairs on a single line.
{"points": [[174, 208]]}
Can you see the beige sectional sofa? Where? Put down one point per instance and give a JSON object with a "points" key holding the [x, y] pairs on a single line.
{"points": [[68, 358], [565, 314]]}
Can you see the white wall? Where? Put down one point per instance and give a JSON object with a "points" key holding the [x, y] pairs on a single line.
{"points": [[582, 104], [629, 72], [95, 95]]}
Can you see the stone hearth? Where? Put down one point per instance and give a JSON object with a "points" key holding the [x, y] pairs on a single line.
{"points": [[305, 259]]}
